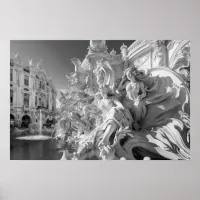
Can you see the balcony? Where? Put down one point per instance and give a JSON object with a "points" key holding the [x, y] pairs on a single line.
{"points": [[26, 108], [41, 107]]}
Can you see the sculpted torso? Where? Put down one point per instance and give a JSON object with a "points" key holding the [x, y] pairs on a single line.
{"points": [[106, 104], [132, 90]]}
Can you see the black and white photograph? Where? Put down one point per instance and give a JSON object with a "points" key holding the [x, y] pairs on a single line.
{"points": [[99, 100], [103, 102]]}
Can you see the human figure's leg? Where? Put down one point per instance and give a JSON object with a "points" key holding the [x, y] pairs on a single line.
{"points": [[107, 133]]}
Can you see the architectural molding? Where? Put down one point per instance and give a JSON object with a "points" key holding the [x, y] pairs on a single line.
{"points": [[181, 44], [138, 48]]}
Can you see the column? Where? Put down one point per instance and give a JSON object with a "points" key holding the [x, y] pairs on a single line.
{"points": [[17, 87]]}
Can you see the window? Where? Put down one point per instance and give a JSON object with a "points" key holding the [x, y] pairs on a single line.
{"points": [[26, 69], [39, 101], [26, 80], [40, 85], [11, 75], [36, 101], [11, 62], [26, 99], [47, 103], [35, 84], [11, 96]]}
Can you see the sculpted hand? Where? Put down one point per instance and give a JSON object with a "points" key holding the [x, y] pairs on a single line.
{"points": [[118, 138]]}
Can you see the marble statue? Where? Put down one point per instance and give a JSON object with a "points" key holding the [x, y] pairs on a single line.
{"points": [[133, 101], [160, 54], [115, 111]]}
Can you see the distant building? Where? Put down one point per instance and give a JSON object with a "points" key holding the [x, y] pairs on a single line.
{"points": [[30, 90]]}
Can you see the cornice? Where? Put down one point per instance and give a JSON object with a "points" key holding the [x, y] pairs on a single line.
{"points": [[138, 47]]}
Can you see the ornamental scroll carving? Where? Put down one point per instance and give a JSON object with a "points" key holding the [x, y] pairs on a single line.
{"points": [[125, 112]]}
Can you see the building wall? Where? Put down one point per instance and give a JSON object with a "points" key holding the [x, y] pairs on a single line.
{"points": [[17, 85], [162, 53], [146, 50]]}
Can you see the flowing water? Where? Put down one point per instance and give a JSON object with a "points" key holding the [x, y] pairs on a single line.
{"points": [[40, 123]]}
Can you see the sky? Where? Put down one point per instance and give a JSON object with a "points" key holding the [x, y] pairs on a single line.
{"points": [[56, 55]]}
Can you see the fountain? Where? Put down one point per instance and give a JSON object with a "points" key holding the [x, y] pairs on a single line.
{"points": [[36, 129], [34, 145], [40, 123], [104, 117]]}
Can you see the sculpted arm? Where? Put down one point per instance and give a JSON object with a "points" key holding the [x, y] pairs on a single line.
{"points": [[122, 85], [144, 94], [118, 103]]}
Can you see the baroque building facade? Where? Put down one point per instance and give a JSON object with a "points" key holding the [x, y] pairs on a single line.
{"points": [[30, 90]]}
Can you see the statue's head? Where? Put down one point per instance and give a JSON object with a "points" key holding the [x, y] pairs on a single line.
{"points": [[130, 73], [98, 44]]}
